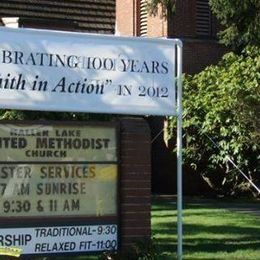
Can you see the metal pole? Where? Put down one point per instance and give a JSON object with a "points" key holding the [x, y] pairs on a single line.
{"points": [[179, 150]]}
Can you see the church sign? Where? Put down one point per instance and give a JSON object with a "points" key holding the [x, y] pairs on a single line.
{"points": [[62, 173], [59, 181]]}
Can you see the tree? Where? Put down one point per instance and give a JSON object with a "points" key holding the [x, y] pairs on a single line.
{"points": [[58, 116], [240, 19], [241, 22], [222, 102], [166, 5]]}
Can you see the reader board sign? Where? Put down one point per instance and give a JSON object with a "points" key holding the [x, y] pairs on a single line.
{"points": [[33, 190], [50, 143], [62, 71], [46, 240], [53, 175]]}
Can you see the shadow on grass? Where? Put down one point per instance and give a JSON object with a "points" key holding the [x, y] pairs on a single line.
{"points": [[218, 245], [229, 234], [194, 229]]}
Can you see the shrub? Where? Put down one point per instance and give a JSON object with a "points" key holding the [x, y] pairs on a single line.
{"points": [[140, 250], [223, 103]]}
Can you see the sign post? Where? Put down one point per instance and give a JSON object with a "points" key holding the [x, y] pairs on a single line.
{"points": [[179, 152], [76, 72]]}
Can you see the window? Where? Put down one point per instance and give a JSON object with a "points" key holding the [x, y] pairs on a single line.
{"points": [[203, 18], [143, 15]]}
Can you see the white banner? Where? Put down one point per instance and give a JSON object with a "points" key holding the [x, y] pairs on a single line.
{"points": [[62, 71], [61, 239]]}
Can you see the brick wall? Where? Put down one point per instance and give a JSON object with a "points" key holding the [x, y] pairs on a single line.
{"points": [[182, 22], [198, 51], [127, 20], [197, 54], [125, 17], [157, 26], [135, 181]]}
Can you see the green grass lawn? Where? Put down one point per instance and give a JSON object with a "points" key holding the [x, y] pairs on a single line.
{"points": [[211, 231]]}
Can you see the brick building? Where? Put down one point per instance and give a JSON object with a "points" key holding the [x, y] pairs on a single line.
{"points": [[195, 25], [192, 22]]}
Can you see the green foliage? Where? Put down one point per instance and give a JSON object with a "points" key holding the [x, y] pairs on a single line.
{"points": [[211, 229], [38, 115], [222, 102], [241, 20], [167, 6], [140, 250]]}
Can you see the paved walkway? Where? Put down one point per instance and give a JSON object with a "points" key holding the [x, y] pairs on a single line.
{"points": [[242, 207], [245, 208]]}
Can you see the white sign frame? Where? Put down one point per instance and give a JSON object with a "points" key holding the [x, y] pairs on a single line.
{"points": [[171, 105]]}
